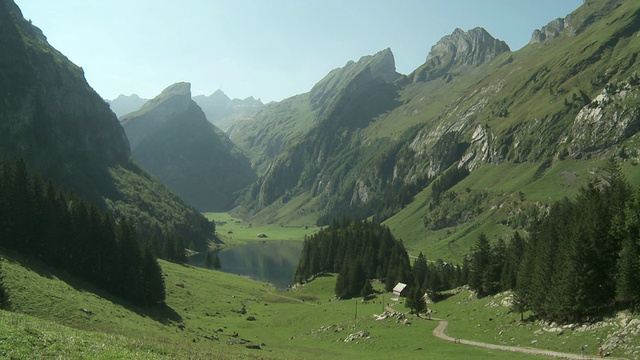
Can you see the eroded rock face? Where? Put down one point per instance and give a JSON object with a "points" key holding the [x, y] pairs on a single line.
{"points": [[461, 48], [549, 31], [609, 119], [473, 47]]}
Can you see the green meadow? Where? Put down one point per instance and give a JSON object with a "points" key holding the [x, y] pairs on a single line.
{"points": [[209, 314], [234, 231]]}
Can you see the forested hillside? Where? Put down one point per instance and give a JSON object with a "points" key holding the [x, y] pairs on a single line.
{"points": [[60, 229]]}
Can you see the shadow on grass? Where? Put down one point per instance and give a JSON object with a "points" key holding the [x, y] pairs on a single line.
{"points": [[161, 313]]}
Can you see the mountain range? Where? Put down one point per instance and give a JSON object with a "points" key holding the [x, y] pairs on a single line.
{"points": [[217, 107], [470, 141], [478, 138]]}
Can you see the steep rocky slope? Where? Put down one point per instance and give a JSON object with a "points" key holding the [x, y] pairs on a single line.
{"points": [[171, 137]]}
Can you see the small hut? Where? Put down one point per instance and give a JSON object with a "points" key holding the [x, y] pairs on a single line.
{"points": [[400, 290]]}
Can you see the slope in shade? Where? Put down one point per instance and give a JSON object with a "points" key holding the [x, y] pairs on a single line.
{"points": [[64, 130], [171, 137]]}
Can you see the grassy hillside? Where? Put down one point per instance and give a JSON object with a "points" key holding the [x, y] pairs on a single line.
{"points": [[204, 319], [530, 126]]}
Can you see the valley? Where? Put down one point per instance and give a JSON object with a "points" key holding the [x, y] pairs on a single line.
{"points": [[499, 188], [202, 318]]}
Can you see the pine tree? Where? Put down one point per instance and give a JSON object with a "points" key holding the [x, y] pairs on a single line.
{"points": [[179, 250], [208, 260], [152, 279], [127, 275], [4, 299], [480, 275], [216, 262], [420, 271], [367, 289], [515, 252], [415, 300]]}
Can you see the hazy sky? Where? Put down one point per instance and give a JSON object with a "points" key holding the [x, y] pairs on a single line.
{"points": [[269, 49]]}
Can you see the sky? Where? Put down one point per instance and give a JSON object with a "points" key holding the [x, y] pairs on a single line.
{"points": [[268, 49]]}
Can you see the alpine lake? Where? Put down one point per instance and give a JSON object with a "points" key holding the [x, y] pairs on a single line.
{"points": [[271, 261]]}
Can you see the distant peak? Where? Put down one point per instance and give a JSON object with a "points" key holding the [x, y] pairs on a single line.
{"points": [[548, 32], [472, 47], [178, 89]]}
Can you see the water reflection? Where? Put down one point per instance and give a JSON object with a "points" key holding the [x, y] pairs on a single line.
{"points": [[269, 261]]}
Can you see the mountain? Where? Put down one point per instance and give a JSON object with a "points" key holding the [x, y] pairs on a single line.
{"points": [[222, 111], [171, 137], [458, 50], [61, 127], [124, 104], [478, 138]]}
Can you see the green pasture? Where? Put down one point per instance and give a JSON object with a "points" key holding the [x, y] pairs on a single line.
{"points": [[209, 314], [233, 230]]}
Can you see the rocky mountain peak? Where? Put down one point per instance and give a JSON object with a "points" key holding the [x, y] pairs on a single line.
{"points": [[461, 48], [181, 89], [473, 47], [381, 65], [168, 106], [549, 31]]}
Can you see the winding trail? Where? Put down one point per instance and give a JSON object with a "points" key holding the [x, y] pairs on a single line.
{"points": [[442, 326]]}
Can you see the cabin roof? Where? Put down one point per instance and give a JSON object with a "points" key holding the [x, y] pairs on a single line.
{"points": [[399, 287]]}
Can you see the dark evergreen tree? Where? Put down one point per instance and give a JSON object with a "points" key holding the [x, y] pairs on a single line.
{"points": [[515, 251], [152, 280], [216, 262], [4, 298], [415, 300], [208, 260], [481, 272], [420, 270], [367, 289]]}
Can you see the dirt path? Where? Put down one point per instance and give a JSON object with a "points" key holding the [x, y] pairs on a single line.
{"points": [[442, 326]]}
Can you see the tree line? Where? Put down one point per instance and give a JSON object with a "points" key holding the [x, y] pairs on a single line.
{"points": [[70, 234], [579, 262], [358, 251], [431, 278]]}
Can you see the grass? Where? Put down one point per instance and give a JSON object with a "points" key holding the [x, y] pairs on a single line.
{"points": [[490, 320], [204, 319], [235, 231], [510, 187]]}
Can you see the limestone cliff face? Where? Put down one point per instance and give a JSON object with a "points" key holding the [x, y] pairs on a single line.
{"points": [[609, 119], [461, 48], [171, 137], [49, 115]]}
